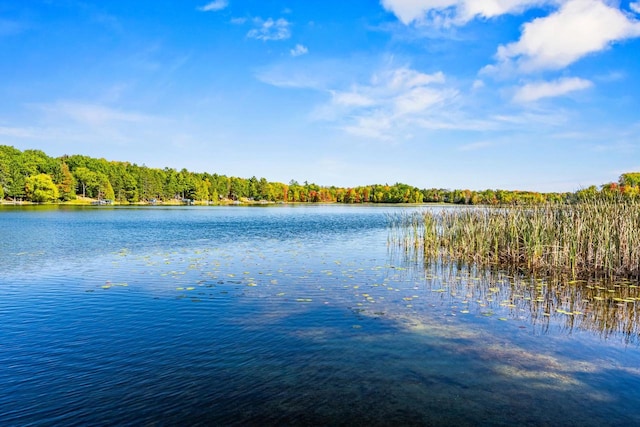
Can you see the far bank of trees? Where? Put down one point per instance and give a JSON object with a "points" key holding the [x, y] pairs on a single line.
{"points": [[31, 175]]}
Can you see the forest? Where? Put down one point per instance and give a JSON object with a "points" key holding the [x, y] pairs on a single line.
{"points": [[33, 176]]}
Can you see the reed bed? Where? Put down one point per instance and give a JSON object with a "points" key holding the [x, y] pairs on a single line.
{"points": [[589, 239]]}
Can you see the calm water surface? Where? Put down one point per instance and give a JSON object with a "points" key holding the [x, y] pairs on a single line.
{"points": [[291, 316]]}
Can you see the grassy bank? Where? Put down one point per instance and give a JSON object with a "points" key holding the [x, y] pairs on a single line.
{"points": [[590, 239]]}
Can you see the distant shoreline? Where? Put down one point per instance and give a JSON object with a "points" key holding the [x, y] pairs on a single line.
{"points": [[87, 201]]}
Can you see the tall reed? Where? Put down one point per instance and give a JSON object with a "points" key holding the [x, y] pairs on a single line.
{"points": [[589, 239]]}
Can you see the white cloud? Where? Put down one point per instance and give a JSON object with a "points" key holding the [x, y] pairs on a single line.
{"points": [[299, 50], [393, 101], [534, 91], [270, 29], [214, 6], [635, 6], [478, 84], [376, 125], [351, 99], [409, 11], [405, 78], [579, 28], [419, 99], [491, 8], [457, 12]]}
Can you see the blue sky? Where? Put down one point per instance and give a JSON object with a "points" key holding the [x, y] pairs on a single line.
{"points": [[513, 94]]}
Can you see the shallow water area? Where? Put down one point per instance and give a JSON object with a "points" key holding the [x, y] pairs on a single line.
{"points": [[290, 315]]}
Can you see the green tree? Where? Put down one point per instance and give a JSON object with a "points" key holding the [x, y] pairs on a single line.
{"points": [[86, 179], [40, 188], [171, 187], [105, 190], [221, 185], [202, 190], [239, 187], [587, 194], [130, 188], [264, 190], [186, 184], [8, 157], [34, 162], [252, 188]]}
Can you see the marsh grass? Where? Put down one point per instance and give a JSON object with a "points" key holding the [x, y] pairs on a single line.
{"points": [[588, 239]]}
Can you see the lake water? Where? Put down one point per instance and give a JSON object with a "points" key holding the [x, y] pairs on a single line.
{"points": [[286, 315]]}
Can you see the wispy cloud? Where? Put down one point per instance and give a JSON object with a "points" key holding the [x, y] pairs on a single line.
{"points": [[396, 102], [92, 114], [538, 90], [299, 50], [531, 120], [66, 122], [270, 29], [577, 29], [71, 122], [321, 74], [214, 6], [351, 99], [18, 132], [456, 12], [635, 6], [393, 101]]}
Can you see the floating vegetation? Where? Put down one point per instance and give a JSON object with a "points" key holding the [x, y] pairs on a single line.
{"points": [[406, 286], [589, 239]]}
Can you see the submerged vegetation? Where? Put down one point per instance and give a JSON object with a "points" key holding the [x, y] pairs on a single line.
{"points": [[596, 238], [31, 175], [607, 308]]}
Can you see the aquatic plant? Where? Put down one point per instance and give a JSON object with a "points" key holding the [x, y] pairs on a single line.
{"points": [[608, 308], [590, 239]]}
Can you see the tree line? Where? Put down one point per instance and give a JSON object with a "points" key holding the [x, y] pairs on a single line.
{"points": [[32, 175]]}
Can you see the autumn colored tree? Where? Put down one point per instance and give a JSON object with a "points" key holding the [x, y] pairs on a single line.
{"points": [[66, 184], [631, 179]]}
